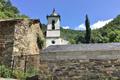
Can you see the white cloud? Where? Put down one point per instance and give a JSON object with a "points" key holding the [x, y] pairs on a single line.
{"points": [[80, 27], [98, 24], [66, 27]]}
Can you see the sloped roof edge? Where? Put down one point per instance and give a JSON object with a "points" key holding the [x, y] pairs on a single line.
{"points": [[82, 47]]}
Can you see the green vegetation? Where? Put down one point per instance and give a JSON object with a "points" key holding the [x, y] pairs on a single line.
{"points": [[71, 35], [7, 10], [5, 72], [88, 30], [107, 34], [17, 74]]}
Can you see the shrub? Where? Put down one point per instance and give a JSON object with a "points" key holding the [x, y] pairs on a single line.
{"points": [[18, 74], [5, 72]]}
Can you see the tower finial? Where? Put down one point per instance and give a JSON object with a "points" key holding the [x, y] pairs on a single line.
{"points": [[53, 10]]}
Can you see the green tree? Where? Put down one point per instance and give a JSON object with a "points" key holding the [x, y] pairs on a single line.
{"points": [[114, 36], [88, 30], [7, 10]]}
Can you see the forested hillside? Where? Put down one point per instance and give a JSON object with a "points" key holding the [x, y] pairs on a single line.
{"points": [[7, 10], [109, 33], [71, 35]]}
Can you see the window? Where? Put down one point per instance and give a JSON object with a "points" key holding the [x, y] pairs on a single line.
{"points": [[53, 24], [53, 42]]}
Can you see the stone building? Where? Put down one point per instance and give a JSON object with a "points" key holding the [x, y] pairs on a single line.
{"points": [[83, 61], [53, 30], [20, 41]]}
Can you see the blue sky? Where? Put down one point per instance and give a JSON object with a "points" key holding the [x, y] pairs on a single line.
{"points": [[72, 11]]}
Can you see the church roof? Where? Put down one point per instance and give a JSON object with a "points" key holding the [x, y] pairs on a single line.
{"points": [[83, 47]]}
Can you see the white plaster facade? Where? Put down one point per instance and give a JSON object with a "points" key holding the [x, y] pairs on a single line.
{"points": [[53, 30], [55, 33], [49, 41]]}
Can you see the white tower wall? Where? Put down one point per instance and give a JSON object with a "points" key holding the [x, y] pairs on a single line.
{"points": [[50, 40], [53, 34], [57, 23]]}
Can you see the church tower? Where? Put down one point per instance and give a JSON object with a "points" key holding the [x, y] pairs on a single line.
{"points": [[53, 29]]}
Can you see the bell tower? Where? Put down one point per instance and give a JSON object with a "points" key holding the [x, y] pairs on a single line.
{"points": [[53, 29]]}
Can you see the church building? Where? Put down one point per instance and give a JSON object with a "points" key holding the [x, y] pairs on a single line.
{"points": [[53, 30]]}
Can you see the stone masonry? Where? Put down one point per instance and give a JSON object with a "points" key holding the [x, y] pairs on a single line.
{"points": [[82, 62], [6, 41], [19, 42]]}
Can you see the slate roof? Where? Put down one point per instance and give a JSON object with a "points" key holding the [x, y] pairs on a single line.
{"points": [[82, 47]]}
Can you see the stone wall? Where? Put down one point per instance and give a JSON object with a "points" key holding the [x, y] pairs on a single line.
{"points": [[94, 65], [26, 47], [20, 41], [26, 34], [6, 41], [26, 62]]}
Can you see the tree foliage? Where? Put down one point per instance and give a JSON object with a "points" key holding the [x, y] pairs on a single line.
{"points": [[110, 32], [70, 35], [88, 30], [107, 34], [7, 10]]}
